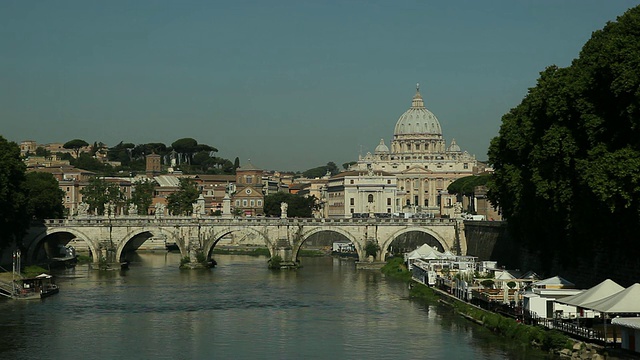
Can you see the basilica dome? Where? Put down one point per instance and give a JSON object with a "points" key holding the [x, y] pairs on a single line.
{"points": [[417, 120], [382, 148]]}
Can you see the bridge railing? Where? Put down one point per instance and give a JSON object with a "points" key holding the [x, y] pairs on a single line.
{"points": [[182, 220]]}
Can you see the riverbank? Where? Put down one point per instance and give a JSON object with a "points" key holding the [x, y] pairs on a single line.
{"points": [[545, 339]]}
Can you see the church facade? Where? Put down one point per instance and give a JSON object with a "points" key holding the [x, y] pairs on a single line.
{"points": [[420, 159]]}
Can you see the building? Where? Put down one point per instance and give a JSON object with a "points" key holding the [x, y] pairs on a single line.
{"points": [[420, 159], [153, 165], [248, 197], [361, 194]]}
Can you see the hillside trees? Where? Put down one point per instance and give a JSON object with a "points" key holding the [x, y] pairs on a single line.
{"points": [[75, 145], [567, 158], [321, 171]]}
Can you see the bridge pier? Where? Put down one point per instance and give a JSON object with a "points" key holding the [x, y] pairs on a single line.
{"points": [[283, 252]]}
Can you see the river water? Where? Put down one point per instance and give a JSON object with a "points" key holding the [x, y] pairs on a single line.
{"points": [[239, 310]]}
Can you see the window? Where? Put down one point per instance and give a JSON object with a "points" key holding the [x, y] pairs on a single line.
{"points": [[389, 181], [253, 203], [244, 202], [352, 211], [259, 202], [351, 182], [465, 166], [388, 201], [351, 201], [249, 180], [370, 198], [237, 202]]}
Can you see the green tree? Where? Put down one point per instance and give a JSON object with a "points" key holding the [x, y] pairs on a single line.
{"points": [[75, 145], [298, 206], [567, 158], [346, 165], [14, 219], [236, 163], [115, 197], [321, 171], [88, 162], [40, 151], [180, 202], [142, 195], [94, 194], [44, 197], [465, 185]]}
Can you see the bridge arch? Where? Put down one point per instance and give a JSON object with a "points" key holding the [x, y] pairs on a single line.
{"points": [[94, 247], [213, 239], [154, 231], [384, 245], [319, 229]]}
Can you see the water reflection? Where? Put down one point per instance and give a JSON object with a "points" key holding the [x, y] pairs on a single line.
{"points": [[239, 309]]}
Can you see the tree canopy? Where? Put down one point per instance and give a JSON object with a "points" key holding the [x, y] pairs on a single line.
{"points": [[321, 171], [180, 202], [14, 219], [75, 145], [465, 185], [44, 197], [298, 206], [567, 158]]}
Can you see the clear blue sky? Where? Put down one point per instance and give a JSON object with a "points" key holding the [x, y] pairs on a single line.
{"points": [[289, 84]]}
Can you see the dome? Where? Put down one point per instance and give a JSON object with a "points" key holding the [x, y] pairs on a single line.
{"points": [[454, 147], [382, 148], [417, 120]]}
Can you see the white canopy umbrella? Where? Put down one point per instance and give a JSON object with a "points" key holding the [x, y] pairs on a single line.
{"points": [[604, 289]]}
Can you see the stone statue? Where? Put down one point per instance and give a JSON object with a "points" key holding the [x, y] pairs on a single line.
{"points": [[83, 209], [283, 209], [111, 210], [133, 209], [159, 209], [195, 209]]}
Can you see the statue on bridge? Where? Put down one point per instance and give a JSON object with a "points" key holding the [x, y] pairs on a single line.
{"points": [[283, 210], [159, 209], [133, 209], [83, 209]]}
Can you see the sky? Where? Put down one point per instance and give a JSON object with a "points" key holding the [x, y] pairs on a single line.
{"points": [[290, 85]]}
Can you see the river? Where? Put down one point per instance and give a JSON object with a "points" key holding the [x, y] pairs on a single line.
{"points": [[239, 310]]}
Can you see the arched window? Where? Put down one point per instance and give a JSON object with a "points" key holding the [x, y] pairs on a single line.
{"points": [[370, 198]]}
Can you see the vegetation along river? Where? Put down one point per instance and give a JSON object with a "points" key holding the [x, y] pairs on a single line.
{"points": [[240, 310]]}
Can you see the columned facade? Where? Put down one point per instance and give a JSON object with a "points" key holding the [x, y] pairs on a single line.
{"points": [[420, 160]]}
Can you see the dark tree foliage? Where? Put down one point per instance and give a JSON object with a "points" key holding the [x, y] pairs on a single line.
{"points": [[44, 197], [94, 195], [75, 145], [321, 171], [40, 151], [347, 164], [87, 162], [465, 185], [567, 159], [180, 202], [142, 195], [298, 206], [14, 219]]}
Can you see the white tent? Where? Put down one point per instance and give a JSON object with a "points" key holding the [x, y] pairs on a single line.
{"points": [[598, 292], [625, 301], [553, 282], [425, 252]]}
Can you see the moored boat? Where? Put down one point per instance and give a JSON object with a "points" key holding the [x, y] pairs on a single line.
{"points": [[38, 287]]}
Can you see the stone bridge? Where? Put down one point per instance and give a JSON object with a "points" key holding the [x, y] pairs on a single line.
{"points": [[111, 237]]}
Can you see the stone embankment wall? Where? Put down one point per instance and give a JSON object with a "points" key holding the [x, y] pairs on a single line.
{"points": [[490, 240]]}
